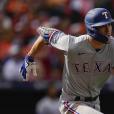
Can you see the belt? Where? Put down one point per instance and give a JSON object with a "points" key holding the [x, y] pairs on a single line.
{"points": [[86, 99]]}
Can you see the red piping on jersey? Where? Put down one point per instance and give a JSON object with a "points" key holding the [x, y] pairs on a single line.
{"points": [[66, 105]]}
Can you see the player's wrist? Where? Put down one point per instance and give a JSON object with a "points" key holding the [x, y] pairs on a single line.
{"points": [[29, 58]]}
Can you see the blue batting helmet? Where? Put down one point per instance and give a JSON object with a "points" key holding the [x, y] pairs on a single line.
{"points": [[95, 18]]}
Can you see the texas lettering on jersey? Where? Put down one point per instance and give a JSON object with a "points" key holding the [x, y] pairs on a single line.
{"points": [[98, 66]]}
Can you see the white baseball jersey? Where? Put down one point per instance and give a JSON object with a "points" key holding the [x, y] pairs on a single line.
{"points": [[85, 70]]}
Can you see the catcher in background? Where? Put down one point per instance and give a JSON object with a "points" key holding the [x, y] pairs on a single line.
{"points": [[89, 61]]}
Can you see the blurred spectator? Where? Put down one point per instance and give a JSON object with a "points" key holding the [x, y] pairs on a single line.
{"points": [[82, 6], [2, 4], [49, 103], [18, 22], [51, 64], [20, 18], [16, 7], [12, 64]]}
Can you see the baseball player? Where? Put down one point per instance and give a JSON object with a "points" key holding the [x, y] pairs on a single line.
{"points": [[89, 61]]}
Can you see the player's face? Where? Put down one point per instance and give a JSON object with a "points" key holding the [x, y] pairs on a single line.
{"points": [[106, 30]]}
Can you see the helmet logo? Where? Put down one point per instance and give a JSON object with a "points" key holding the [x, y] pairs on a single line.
{"points": [[105, 14]]}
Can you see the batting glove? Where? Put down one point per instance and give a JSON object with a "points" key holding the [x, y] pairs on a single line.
{"points": [[26, 67]]}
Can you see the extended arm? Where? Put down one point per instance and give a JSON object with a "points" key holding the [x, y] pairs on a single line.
{"points": [[45, 36], [28, 63]]}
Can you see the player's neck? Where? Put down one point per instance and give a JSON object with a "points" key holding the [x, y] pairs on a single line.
{"points": [[95, 44]]}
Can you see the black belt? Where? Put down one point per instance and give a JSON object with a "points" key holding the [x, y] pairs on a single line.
{"points": [[86, 99]]}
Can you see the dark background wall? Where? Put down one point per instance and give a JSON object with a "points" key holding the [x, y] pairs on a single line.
{"points": [[19, 99], [107, 100], [22, 100]]}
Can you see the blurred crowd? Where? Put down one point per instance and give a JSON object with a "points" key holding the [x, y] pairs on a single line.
{"points": [[19, 20]]}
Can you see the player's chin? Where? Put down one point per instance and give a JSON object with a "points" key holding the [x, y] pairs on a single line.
{"points": [[108, 35]]}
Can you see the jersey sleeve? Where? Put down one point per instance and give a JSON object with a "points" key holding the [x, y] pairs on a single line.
{"points": [[55, 37], [60, 41]]}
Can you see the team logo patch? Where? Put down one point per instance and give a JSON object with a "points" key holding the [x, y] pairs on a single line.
{"points": [[105, 14]]}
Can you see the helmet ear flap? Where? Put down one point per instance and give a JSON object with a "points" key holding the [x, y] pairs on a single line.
{"points": [[94, 33]]}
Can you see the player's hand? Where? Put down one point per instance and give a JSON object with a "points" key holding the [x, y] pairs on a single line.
{"points": [[26, 67]]}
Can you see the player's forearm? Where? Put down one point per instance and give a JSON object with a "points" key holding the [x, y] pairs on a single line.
{"points": [[36, 47], [46, 34]]}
